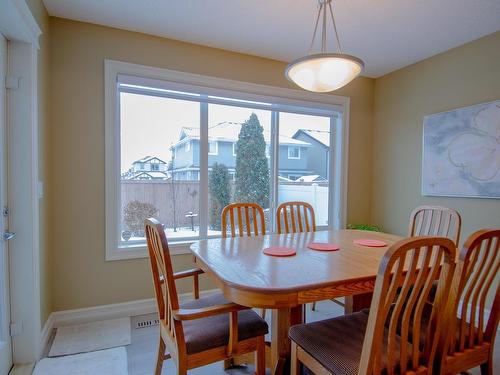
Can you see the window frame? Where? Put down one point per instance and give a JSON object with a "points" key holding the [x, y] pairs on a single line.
{"points": [[216, 148], [294, 157], [217, 88]]}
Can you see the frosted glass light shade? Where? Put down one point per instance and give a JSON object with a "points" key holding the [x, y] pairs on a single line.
{"points": [[324, 72]]}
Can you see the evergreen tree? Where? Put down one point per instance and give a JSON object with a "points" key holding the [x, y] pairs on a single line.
{"points": [[252, 172], [220, 193]]}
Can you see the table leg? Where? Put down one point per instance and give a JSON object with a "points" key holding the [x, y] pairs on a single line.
{"points": [[357, 302], [282, 320]]}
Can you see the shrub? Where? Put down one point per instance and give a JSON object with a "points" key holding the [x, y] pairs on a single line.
{"points": [[252, 172], [135, 213], [220, 193]]}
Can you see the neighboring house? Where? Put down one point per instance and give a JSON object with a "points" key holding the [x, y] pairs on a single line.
{"points": [[222, 138], [312, 178], [147, 168], [319, 154]]}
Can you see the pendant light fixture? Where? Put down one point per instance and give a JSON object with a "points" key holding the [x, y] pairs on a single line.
{"points": [[324, 72]]}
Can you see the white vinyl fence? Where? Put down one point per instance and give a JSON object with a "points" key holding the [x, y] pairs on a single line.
{"points": [[316, 195]]}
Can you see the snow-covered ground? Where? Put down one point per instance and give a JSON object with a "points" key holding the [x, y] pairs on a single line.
{"points": [[181, 233]]}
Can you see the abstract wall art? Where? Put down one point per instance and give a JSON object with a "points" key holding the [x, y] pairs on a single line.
{"points": [[461, 152]]}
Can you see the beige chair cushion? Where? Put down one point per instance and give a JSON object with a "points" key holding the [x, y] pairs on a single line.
{"points": [[212, 332]]}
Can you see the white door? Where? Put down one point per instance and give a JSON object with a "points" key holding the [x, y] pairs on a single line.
{"points": [[5, 342]]}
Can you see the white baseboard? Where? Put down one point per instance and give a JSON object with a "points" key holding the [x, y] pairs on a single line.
{"points": [[103, 312], [22, 369]]}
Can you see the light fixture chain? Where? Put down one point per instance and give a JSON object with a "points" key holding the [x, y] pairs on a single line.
{"points": [[315, 30], [335, 27]]}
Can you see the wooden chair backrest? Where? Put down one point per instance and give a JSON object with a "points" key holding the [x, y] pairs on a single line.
{"points": [[402, 289], [244, 217], [476, 277], [295, 217], [435, 221], [163, 278]]}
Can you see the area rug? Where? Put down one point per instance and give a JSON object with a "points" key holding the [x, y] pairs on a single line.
{"points": [[103, 362], [89, 337]]}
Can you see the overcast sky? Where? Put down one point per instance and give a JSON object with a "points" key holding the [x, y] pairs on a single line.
{"points": [[150, 125]]}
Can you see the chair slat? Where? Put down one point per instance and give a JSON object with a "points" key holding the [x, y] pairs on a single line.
{"points": [[299, 218], [231, 218], [254, 216], [247, 221], [292, 218]]}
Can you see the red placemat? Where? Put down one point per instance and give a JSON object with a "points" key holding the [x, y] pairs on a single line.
{"points": [[370, 243], [323, 246], [280, 251]]}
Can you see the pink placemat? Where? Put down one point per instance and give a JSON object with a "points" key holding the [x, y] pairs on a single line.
{"points": [[370, 243], [280, 251], [323, 246]]}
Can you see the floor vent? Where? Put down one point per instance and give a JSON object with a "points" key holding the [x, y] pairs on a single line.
{"points": [[146, 323]]}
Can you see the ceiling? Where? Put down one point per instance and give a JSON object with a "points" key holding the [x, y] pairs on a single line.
{"points": [[386, 34]]}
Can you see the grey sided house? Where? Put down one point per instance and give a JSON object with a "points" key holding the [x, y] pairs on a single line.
{"points": [[319, 154], [294, 153]]}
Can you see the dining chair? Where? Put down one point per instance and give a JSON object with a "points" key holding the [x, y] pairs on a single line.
{"points": [[471, 334], [297, 217], [386, 339], [204, 330], [435, 221], [243, 217]]}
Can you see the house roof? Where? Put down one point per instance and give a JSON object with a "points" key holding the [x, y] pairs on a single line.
{"points": [[311, 178], [321, 136], [148, 158], [229, 131], [154, 175]]}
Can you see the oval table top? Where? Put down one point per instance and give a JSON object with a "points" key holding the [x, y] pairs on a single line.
{"points": [[240, 264]]}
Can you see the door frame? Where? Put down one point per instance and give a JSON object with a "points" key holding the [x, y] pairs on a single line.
{"points": [[19, 27]]}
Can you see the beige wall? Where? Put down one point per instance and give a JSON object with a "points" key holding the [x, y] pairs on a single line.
{"points": [[41, 16], [81, 276], [74, 273], [464, 76]]}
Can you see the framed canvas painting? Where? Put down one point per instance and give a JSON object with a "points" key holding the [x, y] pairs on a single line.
{"points": [[461, 152]]}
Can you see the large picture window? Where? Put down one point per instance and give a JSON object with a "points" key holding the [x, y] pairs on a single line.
{"points": [[186, 151]]}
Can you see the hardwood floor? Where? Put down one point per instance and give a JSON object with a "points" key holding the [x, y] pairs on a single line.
{"points": [[142, 351]]}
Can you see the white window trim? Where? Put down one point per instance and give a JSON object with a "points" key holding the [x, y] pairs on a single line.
{"points": [[187, 146], [234, 148], [294, 157], [223, 88], [216, 148]]}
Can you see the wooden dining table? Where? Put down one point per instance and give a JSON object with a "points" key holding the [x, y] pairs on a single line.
{"points": [[251, 278]]}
